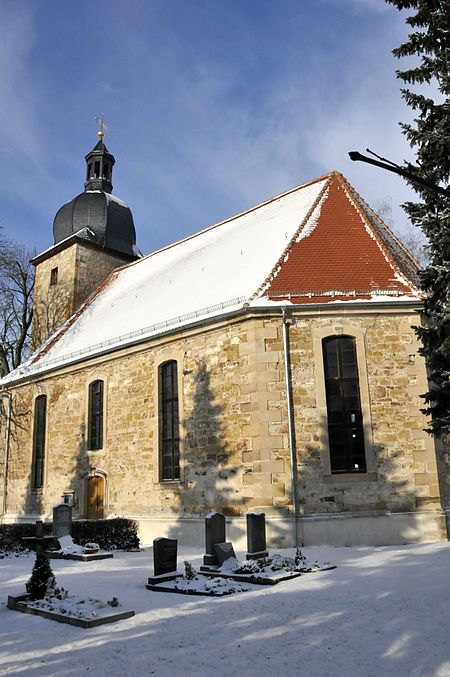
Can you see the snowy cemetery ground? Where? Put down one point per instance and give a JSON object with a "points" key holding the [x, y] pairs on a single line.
{"points": [[383, 611]]}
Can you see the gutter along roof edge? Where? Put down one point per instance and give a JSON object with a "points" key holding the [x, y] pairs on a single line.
{"points": [[244, 309]]}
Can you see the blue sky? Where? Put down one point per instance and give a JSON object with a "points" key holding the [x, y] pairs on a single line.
{"points": [[212, 105]]}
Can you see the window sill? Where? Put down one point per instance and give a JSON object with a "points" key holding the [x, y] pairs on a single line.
{"points": [[169, 484], [351, 477], [38, 491]]}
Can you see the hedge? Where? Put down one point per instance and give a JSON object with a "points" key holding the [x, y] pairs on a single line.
{"points": [[113, 534]]}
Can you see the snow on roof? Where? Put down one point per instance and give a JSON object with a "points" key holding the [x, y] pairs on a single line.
{"points": [[198, 277], [238, 261]]}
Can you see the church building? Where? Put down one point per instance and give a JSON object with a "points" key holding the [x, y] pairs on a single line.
{"points": [[265, 364]]}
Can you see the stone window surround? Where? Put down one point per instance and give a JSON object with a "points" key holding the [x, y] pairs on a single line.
{"points": [[359, 334], [39, 490], [178, 357], [96, 376]]}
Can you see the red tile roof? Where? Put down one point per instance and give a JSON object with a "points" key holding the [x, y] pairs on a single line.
{"points": [[348, 254]]}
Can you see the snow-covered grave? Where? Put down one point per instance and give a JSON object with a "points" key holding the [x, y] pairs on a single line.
{"points": [[383, 612], [194, 583], [73, 610], [84, 553], [268, 570], [44, 597]]}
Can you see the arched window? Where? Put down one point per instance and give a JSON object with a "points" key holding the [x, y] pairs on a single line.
{"points": [[95, 419], [169, 422], [40, 412], [345, 427]]}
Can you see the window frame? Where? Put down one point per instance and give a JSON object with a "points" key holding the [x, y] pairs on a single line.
{"points": [[358, 333], [54, 277], [175, 440], [93, 416], [350, 426], [38, 465]]}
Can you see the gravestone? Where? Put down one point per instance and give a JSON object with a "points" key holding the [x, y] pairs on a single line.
{"points": [[39, 529], [256, 535], [164, 555], [224, 551], [164, 561], [62, 520], [214, 533]]}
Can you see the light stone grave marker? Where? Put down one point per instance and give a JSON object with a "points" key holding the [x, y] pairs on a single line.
{"points": [[62, 520]]}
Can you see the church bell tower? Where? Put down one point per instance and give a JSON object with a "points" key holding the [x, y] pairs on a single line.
{"points": [[93, 234]]}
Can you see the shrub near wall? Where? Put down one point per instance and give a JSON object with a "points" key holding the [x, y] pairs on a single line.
{"points": [[113, 534], [11, 537]]}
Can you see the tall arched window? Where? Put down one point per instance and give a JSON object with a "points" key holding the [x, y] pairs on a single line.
{"points": [[169, 422], [40, 412], [345, 427], [95, 418]]}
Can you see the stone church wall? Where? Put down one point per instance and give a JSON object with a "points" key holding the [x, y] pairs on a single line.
{"points": [[81, 268], [234, 434]]}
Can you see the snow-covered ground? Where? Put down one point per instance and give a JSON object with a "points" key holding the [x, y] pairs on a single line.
{"points": [[382, 612]]}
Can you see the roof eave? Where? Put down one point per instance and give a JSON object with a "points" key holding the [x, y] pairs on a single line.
{"points": [[246, 309]]}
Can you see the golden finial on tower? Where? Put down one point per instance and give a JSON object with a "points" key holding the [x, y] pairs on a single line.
{"points": [[101, 124]]}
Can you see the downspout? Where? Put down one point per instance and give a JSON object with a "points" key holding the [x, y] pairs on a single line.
{"points": [[5, 393], [287, 321]]}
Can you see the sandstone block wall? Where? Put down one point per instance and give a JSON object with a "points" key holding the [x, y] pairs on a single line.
{"points": [[234, 436], [81, 269]]}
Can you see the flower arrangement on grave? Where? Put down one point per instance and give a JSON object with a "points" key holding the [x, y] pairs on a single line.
{"points": [[91, 548], [189, 571]]}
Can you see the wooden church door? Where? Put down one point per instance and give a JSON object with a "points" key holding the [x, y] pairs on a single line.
{"points": [[95, 497]]}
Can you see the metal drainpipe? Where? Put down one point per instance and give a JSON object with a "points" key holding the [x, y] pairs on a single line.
{"points": [[5, 393], [287, 321]]}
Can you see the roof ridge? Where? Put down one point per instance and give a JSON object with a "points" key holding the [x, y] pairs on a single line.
{"points": [[351, 193], [293, 239], [392, 234]]}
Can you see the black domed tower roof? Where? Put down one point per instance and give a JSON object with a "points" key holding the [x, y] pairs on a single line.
{"points": [[108, 219]]}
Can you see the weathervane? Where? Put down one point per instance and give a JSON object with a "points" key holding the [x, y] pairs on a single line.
{"points": [[101, 124]]}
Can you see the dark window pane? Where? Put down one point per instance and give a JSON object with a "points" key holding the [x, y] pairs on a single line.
{"points": [[169, 422], [40, 410], [345, 431], [95, 421]]}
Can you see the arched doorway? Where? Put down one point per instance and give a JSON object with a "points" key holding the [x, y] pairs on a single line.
{"points": [[95, 503]]}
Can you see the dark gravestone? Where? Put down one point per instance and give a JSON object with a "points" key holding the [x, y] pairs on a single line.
{"points": [[256, 535], [39, 529], [164, 555], [62, 520], [224, 551], [214, 533]]}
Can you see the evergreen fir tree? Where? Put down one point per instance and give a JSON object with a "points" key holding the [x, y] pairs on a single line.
{"points": [[36, 586], [429, 134]]}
